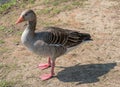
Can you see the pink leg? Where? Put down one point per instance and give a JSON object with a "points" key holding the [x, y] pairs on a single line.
{"points": [[48, 76], [44, 66]]}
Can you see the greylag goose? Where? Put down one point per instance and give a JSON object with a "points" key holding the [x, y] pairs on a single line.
{"points": [[51, 41]]}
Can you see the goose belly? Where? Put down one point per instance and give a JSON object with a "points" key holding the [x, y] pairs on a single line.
{"points": [[42, 51]]}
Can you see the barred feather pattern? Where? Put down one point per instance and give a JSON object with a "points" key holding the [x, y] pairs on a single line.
{"points": [[64, 37]]}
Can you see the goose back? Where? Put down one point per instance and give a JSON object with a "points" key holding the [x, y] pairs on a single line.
{"points": [[64, 37]]}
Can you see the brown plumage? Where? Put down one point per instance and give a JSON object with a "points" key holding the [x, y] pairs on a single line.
{"points": [[64, 37]]}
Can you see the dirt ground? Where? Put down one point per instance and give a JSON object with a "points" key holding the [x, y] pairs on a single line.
{"points": [[92, 64]]}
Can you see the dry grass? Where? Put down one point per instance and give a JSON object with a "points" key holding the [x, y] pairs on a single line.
{"points": [[93, 64]]}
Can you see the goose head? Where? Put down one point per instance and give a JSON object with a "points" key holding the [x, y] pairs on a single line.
{"points": [[27, 15]]}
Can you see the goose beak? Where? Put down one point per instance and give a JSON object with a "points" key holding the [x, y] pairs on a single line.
{"points": [[20, 19]]}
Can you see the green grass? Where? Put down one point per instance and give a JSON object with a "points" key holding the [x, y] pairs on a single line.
{"points": [[6, 69], [5, 83], [44, 11], [49, 11], [2, 28], [25, 3], [55, 11], [1, 65], [47, 23], [3, 50], [6, 30], [2, 42], [6, 6], [78, 3], [54, 7], [19, 33], [59, 2], [54, 2], [31, 1], [20, 3], [9, 30]]}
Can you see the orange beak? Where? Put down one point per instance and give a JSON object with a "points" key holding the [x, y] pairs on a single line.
{"points": [[20, 19]]}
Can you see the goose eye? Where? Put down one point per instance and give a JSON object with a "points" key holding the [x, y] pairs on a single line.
{"points": [[26, 14]]}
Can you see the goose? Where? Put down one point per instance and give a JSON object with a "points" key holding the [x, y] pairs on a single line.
{"points": [[51, 42]]}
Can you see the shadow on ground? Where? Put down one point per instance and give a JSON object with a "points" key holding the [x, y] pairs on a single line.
{"points": [[84, 73]]}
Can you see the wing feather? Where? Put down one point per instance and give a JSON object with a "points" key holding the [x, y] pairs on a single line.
{"points": [[64, 37]]}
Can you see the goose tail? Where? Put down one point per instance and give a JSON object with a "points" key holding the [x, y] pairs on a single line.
{"points": [[85, 37]]}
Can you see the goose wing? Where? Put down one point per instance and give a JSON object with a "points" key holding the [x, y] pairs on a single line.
{"points": [[64, 37]]}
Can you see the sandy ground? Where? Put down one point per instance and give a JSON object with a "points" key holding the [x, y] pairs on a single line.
{"points": [[93, 64]]}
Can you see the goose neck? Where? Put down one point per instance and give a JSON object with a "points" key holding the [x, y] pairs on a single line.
{"points": [[32, 25]]}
